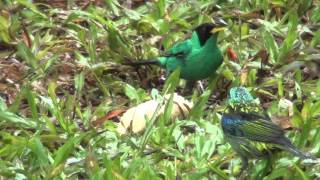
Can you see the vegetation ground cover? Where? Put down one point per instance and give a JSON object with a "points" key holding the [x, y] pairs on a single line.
{"points": [[63, 86]]}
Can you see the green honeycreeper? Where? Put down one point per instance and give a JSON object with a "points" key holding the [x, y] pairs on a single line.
{"points": [[250, 134], [198, 57]]}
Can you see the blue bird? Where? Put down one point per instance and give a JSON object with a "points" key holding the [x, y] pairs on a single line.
{"points": [[250, 134]]}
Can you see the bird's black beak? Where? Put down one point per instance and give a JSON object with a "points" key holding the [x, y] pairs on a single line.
{"points": [[219, 22], [220, 25]]}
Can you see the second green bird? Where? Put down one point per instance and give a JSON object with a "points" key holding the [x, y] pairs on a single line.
{"points": [[198, 57], [251, 134]]}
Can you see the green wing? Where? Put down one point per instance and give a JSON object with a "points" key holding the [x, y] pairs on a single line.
{"points": [[251, 149], [251, 135], [262, 130], [253, 127], [182, 49], [179, 49]]}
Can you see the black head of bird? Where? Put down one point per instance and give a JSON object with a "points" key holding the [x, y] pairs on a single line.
{"points": [[206, 30]]}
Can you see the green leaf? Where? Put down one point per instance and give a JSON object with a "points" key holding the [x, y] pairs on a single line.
{"points": [[271, 45], [161, 6], [39, 150], [131, 93], [25, 53], [31, 6], [113, 6], [197, 110], [316, 39], [64, 152], [302, 174], [244, 29], [168, 109], [318, 88], [280, 85], [134, 15], [172, 82], [218, 171], [291, 36], [3, 105], [32, 101], [79, 82], [4, 32], [55, 108], [16, 120]]}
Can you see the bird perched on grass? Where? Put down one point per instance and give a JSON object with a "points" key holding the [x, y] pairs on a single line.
{"points": [[198, 57], [250, 134]]}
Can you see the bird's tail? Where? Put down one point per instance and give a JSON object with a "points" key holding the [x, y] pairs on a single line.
{"points": [[295, 151], [142, 62]]}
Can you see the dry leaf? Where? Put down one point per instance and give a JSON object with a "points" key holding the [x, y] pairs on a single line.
{"points": [[243, 76], [134, 119], [110, 115], [283, 122], [25, 37], [287, 105], [232, 54]]}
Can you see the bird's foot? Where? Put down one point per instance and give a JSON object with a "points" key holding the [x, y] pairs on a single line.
{"points": [[200, 87], [242, 175], [188, 90]]}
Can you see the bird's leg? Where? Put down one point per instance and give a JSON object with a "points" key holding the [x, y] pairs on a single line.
{"points": [[191, 84], [189, 87], [167, 73], [200, 85], [244, 167]]}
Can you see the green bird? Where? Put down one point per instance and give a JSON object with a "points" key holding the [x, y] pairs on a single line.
{"points": [[198, 57], [250, 134]]}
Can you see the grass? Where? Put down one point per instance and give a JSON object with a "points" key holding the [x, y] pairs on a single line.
{"points": [[60, 72]]}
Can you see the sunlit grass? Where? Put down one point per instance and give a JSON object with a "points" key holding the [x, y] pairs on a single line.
{"points": [[60, 70]]}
